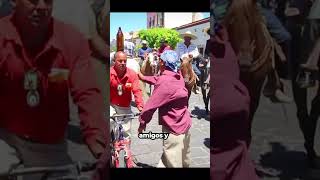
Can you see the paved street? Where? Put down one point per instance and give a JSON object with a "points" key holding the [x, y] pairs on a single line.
{"points": [[277, 144], [148, 152]]}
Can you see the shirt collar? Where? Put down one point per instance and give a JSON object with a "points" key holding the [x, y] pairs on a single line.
{"points": [[114, 72], [9, 32]]}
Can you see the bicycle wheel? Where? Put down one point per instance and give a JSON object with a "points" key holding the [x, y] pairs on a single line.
{"points": [[122, 160]]}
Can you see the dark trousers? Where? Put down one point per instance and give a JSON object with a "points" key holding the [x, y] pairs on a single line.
{"points": [[299, 50]]}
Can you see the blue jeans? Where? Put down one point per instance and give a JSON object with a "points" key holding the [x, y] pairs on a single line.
{"points": [[275, 27], [196, 69]]}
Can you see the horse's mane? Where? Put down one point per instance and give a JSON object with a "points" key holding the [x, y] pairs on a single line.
{"points": [[243, 22], [187, 73]]}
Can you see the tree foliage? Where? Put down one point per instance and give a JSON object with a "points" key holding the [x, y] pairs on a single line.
{"points": [[155, 35]]}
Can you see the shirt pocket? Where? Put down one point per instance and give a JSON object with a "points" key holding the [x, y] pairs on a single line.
{"points": [[58, 79]]}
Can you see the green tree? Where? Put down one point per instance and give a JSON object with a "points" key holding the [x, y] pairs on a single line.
{"points": [[155, 35], [113, 48]]}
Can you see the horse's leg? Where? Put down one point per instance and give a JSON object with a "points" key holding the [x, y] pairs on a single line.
{"points": [[207, 102], [254, 87], [204, 90], [189, 94], [150, 89]]}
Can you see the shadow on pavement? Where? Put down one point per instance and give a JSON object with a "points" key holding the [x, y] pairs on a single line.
{"points": [[206, 142], [199, 113], [282, 163], [74, 134], [142, 165]]}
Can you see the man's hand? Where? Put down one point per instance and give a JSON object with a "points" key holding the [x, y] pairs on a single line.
{"points": [[140, 75], [140, 108], [141, 128]]}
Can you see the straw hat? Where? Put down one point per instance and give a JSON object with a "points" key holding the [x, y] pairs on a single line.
{"points": [[144, 42], [188, 34]]}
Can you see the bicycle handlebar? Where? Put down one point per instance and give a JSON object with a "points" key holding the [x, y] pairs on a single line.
{"points": [[126, 115]]}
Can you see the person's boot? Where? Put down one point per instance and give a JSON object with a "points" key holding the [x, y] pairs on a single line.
{"points": [[313, 160], [281, 97], [309, 129], [276, 95]]}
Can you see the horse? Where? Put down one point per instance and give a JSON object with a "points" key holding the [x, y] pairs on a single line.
{"points": [[150, 66], [188, 74], [254, 46], [204, 84]]}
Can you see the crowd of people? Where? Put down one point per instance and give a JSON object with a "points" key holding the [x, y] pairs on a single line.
{"points": [[172, 103]]}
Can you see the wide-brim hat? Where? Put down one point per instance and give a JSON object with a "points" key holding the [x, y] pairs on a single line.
{"points": [[144, 42], [188, 34]]}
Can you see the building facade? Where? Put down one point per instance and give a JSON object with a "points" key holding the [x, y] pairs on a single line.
{"points": [[171, 20], [198, 28]]}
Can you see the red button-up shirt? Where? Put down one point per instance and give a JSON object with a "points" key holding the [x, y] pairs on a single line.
{"points": [[47, 122], [130, 84], [171, 97]]}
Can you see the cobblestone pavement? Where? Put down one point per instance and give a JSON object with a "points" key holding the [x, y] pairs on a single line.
{"points": [[277, 142], [148, 152]]}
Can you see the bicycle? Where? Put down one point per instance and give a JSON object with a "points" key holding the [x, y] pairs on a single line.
{"points": [[51, 172], [121, 156]]}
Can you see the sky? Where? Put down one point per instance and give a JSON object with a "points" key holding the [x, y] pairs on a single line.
{"points": [[130, 22], [127, 21]]}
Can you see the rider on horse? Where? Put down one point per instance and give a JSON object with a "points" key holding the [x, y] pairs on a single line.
{"points": [[189, 50]]}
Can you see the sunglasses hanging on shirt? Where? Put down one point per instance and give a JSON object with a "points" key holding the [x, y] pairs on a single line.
{"points": [[120, 92], [31, 85]]}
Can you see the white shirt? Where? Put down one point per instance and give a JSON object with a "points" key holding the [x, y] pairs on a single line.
{"points": [[129, 48], [183, 51], [133, 64]]}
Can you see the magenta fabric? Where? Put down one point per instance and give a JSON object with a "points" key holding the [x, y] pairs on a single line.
{"points": [[229, 119], [170, 96]]}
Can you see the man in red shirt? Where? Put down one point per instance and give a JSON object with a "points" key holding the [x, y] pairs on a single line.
{"points": [[41, 61], [124, 82]]}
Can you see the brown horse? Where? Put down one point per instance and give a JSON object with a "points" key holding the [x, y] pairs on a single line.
{"points": [[148, 69], [254, 46], [188, 74], [150, 66]]}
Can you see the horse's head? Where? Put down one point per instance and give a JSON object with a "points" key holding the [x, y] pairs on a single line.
{"points": [[187, 72], [150, 65]]}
